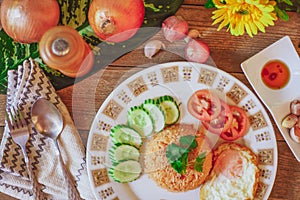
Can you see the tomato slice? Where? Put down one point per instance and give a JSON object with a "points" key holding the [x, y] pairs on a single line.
{"points": [[204, 105], [239, 125], [222, 122]]}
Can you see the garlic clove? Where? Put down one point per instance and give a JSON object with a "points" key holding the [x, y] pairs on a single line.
{"points": [[295, 107], [293, 135], [192, 34], [152, 47], [289, 121]]}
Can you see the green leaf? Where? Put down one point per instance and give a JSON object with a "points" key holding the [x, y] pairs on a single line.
{"points": [[288, 2], [184, 160], [178, 155], [74, 13], [174, 152], [180, 165], [177, 166], [188, 141], [281, 13], [199, 162], [209, 4]]}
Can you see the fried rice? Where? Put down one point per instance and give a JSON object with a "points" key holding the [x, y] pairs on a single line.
{"points": [[158, 167]]}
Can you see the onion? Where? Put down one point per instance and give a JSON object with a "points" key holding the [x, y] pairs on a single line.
{"points": [[26, 21], [116, 21]]}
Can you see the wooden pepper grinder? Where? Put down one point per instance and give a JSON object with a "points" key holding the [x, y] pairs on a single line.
{"points": [[63, 49]]}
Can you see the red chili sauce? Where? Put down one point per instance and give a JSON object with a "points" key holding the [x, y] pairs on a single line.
{"points": [[275, 74]]}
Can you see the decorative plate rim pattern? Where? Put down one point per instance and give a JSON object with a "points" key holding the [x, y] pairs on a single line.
{"points": [[177, 75]]}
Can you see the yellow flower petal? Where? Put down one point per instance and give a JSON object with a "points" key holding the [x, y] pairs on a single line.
{"points": [[242, 16], [248, 30], [253, 28], [241, 29], [260, 26], [224, 23], [218, 14]]}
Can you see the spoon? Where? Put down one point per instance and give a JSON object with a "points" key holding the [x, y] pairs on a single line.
{"points": [[48, 121]]}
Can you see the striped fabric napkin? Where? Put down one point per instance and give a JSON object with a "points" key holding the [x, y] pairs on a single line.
{"points": [[25, 85]]}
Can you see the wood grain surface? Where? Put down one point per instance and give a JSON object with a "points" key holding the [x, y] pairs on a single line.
{"points": [[227, 53]]}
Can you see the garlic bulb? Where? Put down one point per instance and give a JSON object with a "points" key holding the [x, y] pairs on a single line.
{"points": [[152, 47]]}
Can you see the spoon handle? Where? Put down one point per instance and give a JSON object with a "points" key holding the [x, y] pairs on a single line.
{"points": [[72, 190]]}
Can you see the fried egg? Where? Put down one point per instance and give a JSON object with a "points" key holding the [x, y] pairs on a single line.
{"points": [[235, 174]]}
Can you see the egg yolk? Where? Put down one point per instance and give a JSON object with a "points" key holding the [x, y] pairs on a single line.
{"points": [[275, 74], [230, 164]]}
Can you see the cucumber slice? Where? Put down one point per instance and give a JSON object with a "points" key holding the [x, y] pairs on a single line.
{"points": [[122, 134], [126, 171], [156, 113], [170, 108], [140, 120], [124, 152]]}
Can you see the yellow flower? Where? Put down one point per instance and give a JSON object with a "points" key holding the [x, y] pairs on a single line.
{"points": [[244, 15]]}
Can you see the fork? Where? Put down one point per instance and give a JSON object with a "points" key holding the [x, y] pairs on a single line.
{"points": [[20, 135]]}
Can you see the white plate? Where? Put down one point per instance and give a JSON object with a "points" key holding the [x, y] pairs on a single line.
{"points": [[179, 79], [277, 101]]}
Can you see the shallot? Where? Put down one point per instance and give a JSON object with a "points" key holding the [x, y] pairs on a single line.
{"points": [[197, 51], [174, 28]]}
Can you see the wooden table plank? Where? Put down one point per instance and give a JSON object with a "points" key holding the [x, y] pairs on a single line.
{"points": [[228, 52]]}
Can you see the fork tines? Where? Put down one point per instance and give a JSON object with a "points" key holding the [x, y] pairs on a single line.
{"points": [[15, 118]]}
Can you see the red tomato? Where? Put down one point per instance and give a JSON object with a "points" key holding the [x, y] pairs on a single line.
{"points": [[204, 105], [239, 125], [221, 122]]}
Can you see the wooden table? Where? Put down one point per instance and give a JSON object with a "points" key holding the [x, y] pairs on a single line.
{"points": [[228, 52]]}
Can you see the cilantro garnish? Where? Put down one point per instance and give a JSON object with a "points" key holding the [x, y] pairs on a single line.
{"points": [[188, 141], [178, 154], [199, 162], [178, 157]]}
